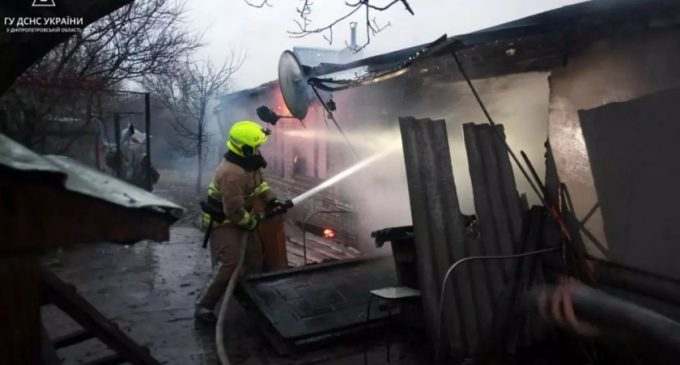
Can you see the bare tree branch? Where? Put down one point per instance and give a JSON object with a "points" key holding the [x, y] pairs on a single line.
{"points": [[186, 93], [145, 37], [261, 4], [303, 22]]}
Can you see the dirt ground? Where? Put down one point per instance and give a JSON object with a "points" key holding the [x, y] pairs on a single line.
{"points": [[149, 288]]}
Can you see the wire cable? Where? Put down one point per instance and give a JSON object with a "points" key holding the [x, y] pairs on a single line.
{"points": [[332, 117], [456, 264], [551, 209]]}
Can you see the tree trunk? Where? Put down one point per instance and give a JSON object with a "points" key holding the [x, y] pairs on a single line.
{"points": [[199, 175], [199, 144]]}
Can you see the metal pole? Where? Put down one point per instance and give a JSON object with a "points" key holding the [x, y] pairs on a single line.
{"points": [[147, 126], [116, 133]]}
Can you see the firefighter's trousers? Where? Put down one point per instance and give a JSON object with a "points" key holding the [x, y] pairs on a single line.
{"points": [[225, 246]]}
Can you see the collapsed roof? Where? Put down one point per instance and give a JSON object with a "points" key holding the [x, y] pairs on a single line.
{"points": [[536, 43]]}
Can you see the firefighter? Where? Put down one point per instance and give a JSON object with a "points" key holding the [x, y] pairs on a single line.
{"points": [[228, 211]]}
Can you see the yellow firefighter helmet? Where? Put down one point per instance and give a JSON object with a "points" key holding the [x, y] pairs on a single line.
{"points": [[245, 137]]}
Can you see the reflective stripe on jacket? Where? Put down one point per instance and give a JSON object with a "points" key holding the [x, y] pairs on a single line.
{"points": [[237, 189]]}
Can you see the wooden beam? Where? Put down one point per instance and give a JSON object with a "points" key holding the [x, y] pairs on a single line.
{"points": [[65, 297], [72, 339]]}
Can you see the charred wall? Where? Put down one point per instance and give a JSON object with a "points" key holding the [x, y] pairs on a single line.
{"points": [[615, 69], [531, 106]]}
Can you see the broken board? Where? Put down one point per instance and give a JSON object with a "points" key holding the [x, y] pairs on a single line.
{"points": [[633, 150]]}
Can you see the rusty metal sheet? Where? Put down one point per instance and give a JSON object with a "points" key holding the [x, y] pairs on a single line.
{"points": [[82, 179], [15, 156], [88, 181], [439, 231]]}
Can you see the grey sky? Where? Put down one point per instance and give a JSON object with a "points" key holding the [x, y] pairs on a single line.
{"points": [[261, 33]]}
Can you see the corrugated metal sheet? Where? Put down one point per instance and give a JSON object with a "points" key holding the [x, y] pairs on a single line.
{"points": [[83, 179], [18, 157], [477, 312], [500, 218], [496, 199], [439, 231]]}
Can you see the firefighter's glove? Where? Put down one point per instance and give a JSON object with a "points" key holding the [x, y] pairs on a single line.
{"points": [[276, 207], [250, 221]]}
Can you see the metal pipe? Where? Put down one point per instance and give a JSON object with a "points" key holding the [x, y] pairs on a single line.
{"points": [[539, 193], [116, 133], [596, 306], [534, 174], [493, 125], [147, 130], [337, 125], [640, 282]]}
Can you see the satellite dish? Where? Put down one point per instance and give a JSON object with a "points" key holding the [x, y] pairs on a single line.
{"points": [[300, 83], [293, 81]]}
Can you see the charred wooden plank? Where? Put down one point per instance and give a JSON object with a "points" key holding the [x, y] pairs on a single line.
{"points": [[65, 297]]}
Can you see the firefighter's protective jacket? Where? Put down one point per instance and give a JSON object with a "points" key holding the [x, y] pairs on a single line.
{"points": [[237, 190]]}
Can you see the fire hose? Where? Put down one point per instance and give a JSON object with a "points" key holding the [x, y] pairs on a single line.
{"points": [[280, 208], [231, 286], [219, 327]]}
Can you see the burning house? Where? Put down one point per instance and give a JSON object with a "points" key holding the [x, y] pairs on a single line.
{"points": [[298, 160], [535, 76], [585, 94], [521, 177]]}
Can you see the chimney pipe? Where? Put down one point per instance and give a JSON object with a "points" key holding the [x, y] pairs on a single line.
{"points": [[353, 35]]}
